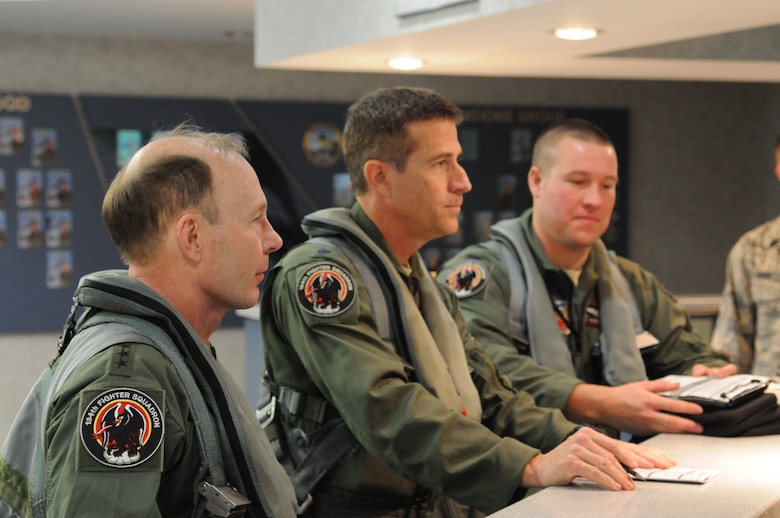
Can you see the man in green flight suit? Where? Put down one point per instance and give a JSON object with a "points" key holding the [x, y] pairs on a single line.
{"points": [[124, 434], [439, 431], [544, 290]]}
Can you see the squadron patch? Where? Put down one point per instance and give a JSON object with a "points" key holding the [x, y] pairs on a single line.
{"points": [[326, 290], [467, 279], [122, 427]]}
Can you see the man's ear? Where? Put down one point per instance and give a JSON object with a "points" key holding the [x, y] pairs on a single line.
{"points": [[375, 173], [188, 235], [534, 180]]}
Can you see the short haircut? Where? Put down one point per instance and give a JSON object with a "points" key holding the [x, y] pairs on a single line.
{"points": [[579, 129], [147, 194], [376, 127]]}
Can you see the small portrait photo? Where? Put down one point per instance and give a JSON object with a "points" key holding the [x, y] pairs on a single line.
{"points": [[432, 257], [3, 227], [482, 221], [2, 186], [520, 140], [128, 141], [59, 188], [342, 190], [29, 187], [457, 237], [44, 147], [30, 229], [11, 135], [59, 229], [507, 191], [59, 269], [469, 142]]}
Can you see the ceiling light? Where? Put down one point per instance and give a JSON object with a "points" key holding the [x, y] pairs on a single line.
{"points": [[405, 63], [575, 33]]}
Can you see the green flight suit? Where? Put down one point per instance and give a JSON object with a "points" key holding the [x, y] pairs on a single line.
{"points": [[486, 312], [84, 479], [410, 442]]}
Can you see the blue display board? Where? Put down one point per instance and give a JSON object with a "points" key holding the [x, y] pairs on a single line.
{"points": [[496, 142], [58, 154], [50, 211]]}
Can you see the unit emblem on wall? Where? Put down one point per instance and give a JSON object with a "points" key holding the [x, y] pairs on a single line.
{"points": [[322, 144]]}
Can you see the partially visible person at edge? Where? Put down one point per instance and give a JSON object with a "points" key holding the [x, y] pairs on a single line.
{"points": [[188, 216], [586, 314], [440, 432], [748, 325]]}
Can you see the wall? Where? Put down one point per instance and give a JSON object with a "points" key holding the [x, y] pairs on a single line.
{"points": [[26, 355], [700, 153]]}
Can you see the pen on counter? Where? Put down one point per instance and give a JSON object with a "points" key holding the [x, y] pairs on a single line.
{"points": [[632, 472]]}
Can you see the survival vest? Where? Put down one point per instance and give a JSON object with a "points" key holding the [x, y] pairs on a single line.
{"points": [[334, 227], [624, 363], [118, 309]]}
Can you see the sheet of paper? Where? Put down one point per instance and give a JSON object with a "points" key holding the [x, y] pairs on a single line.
{"points": [[678, 474], [645, 339]]}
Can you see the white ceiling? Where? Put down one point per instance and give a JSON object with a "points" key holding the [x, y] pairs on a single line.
{"points": [[719, 40]]}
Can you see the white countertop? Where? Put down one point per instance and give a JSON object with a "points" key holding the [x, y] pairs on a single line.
{"points": [[748, 485]]}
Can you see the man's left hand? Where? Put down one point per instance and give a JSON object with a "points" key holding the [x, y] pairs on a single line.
{"points": [[718, 372]]}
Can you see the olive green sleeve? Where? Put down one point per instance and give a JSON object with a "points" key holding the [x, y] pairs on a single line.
{"points": [[78, 484], [486, 314]]}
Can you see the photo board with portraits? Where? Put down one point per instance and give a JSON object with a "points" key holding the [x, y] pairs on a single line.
{"points": [[59, 153]]}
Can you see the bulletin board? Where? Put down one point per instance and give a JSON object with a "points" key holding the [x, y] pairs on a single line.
{"points": [[121, 125], [59, 153], [496, 142], [50, 198]]}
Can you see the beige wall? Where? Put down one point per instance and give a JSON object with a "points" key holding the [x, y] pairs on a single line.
{"points": [[26, 355]]}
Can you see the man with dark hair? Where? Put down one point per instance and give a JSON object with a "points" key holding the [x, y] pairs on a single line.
{"points": [[548, 296], [748, 324], [436, 428]]}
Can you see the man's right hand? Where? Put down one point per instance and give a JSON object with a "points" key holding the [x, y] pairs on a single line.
{"points": [[636, 408]]}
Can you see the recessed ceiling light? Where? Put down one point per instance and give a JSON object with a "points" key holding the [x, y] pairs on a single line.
{"points": [[575, 33], [405, 63]]}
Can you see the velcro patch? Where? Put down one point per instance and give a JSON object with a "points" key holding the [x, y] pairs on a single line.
{"points": [[326, 290], [122, 360], [122, 427], [468, 278]]}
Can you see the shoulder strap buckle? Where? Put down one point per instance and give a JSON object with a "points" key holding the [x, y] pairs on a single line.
{"points": [[223, 501], [266, 413]]}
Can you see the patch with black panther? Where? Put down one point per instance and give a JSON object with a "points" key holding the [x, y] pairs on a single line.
{"points": [[326, 290], [122, 427], [468, 278]]}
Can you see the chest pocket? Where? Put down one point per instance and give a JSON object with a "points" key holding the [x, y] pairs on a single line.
{"points": [[766, 294], [766, 286]]}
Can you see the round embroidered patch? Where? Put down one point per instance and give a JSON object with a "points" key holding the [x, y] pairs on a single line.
{"points": [[326, 290], [122, 427], [467, 278]]}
